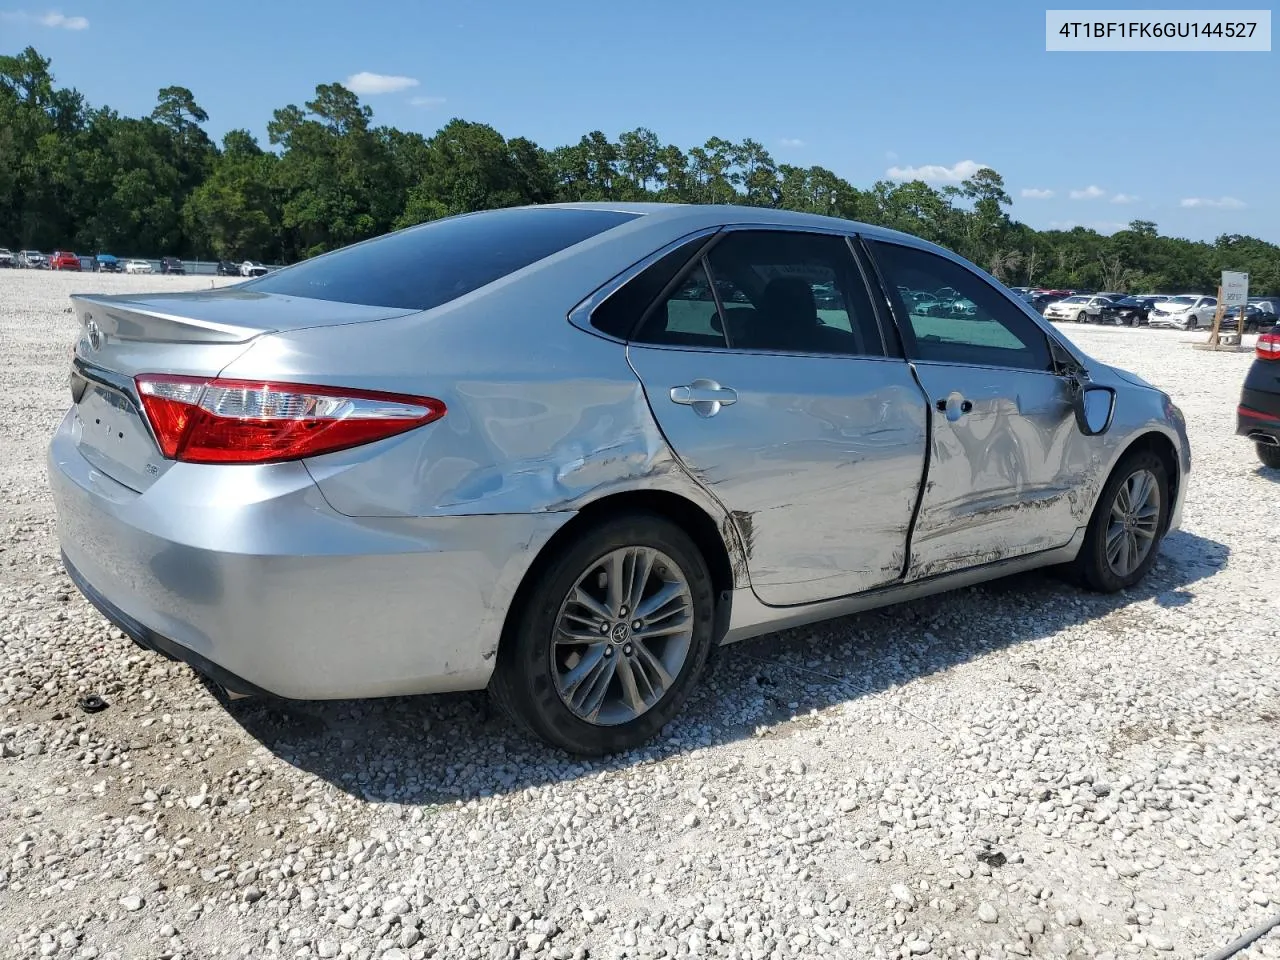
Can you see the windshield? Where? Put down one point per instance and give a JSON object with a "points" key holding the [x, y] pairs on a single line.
{"points": [[1076, 300], [1182, 301]]}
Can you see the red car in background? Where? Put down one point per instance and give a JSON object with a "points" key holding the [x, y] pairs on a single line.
{"points": [[61, 260]]}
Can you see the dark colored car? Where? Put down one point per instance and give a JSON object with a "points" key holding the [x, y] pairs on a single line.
{"points": [[62, 260], [1258, 416], [228, 269], [172, 265], [108, 264], [1039, 301], [1132, 311], [1256, 320]]}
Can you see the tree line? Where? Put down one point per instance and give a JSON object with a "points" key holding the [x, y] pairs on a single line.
{"points": [[77, 176]]}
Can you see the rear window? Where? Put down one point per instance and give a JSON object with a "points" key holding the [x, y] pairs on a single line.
{"points": [[428, 265]]}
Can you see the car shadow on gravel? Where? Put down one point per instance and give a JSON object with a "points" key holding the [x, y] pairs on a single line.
{"points": [[438, 749]]}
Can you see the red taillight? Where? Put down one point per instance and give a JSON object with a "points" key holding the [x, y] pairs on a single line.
{"points": [[251, 421], [1268, 347]]}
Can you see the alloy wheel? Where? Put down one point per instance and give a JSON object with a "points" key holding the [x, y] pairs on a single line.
{"points": [[1133, 525], [622, 635]]}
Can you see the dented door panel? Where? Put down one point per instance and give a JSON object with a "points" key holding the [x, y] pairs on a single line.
{"points": [[818, 459], [1004, 475]]}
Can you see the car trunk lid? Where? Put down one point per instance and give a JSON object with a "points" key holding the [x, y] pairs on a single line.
{"points": [[190, 334]]}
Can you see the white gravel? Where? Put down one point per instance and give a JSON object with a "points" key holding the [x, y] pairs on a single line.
{"points": [[1021, 769]]}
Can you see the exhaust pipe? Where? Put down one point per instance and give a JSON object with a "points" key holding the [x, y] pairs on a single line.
{"points": [[1263, 439]]}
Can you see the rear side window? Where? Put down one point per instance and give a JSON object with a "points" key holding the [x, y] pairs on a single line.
{"points": [[619, 315], [428, 265]]}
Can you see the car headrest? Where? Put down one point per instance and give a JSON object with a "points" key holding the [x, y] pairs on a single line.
{"points": [[790, 299]]}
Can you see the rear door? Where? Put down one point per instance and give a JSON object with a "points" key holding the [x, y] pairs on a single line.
{"points": [[766, 369], [1001, 478]]}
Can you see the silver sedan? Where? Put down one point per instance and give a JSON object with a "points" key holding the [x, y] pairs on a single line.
{"points": [[560, 452]]}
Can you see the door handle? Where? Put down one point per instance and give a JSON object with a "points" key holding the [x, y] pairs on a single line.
{"points": [[954, 402], [705, 396]]}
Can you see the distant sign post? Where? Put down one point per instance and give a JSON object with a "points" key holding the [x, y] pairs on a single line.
{"points": [[1234, 292], [1235, 288]]}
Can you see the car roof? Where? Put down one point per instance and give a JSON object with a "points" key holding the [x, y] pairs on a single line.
{"points": [[695, 216]]}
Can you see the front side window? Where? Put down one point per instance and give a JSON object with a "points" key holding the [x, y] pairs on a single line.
{"points": [[972, 323]]}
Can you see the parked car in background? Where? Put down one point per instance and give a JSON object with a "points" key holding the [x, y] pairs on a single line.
{"points": [[108, 264], [7, 259], [33, 260], [138, 266], [341, 454], [252, 268], [172, 265], [1081, 309], [226, 268], [1269, 305], [1185, 312], [1255, 319], [1132, 311], [63, 260], [1041, 301], [1258, 416]]}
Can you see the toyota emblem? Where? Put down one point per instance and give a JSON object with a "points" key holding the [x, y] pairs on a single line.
{"points": [[94, 333]]}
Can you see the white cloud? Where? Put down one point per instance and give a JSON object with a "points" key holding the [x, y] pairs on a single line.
{"points": [[368, 83], [63, 21], [1230, 203], [51, 19], [1034, 193], [1090, 192], [1125, 198], [936, 172], [426, 101], [791, 142]]}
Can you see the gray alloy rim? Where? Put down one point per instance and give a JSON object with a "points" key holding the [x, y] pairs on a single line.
{"points": [[622, 636], [1134, 522]]}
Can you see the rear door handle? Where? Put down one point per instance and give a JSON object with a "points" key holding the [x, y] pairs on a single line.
{"points": [[705, 396], [954, 402]]}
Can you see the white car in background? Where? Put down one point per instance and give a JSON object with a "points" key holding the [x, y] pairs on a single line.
{"points": [[7, 258], [137, 266], [1080, 309], [252, 268], [1184, 313]]}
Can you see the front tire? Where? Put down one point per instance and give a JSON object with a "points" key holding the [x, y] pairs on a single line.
{"points": [[607, 639], [1269, 455], [1124, 533]]}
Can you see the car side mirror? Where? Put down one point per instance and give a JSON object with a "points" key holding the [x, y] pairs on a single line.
{"points": [[1094, 408]]}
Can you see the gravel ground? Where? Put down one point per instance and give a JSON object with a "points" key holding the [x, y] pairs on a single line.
{"points": [[1019, 769]]}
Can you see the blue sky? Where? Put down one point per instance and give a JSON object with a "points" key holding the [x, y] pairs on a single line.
{"points": [[1189, 140]]}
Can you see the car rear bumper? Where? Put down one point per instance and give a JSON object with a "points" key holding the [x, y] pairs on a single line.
{"points": [[255, 581], [1258, 417]]}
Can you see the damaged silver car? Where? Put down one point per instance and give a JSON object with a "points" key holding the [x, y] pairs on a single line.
{"points": [[562, 451]]}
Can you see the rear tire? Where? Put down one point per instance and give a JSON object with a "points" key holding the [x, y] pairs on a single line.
{"points": [[1127, 526], [1269, 455], [570, 668]]}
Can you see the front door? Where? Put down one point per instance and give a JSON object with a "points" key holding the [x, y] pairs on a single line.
{"points": [[1001, 482], [767, 373]]}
